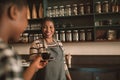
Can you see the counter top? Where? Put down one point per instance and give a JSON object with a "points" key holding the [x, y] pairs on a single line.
{"points": [[95, 68]]}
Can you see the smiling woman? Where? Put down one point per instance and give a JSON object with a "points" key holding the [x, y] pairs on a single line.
{"points": [[56, 69]]}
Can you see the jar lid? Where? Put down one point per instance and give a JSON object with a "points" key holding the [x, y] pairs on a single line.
{"points": [[74, 4], [56, 31], [75, 30], [55, 7], [49, 7], [68, 30], [68, 5], [61, 6], [62, 31], [81, 4], [88, 3], [25, 34], [82, 30], [89, 30], [98, 2], [105, 2]]}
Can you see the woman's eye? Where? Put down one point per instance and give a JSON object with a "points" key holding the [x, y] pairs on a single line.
{"points": [[51, 27]]}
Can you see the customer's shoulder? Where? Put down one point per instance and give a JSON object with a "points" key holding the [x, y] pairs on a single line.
{"points": [[5, 50]]}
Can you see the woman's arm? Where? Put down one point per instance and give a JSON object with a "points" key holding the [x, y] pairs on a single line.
{"points": [[67, 73]]}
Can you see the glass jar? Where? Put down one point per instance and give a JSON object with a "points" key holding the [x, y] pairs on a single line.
{"points": [[62, 11], [82, 35], [68, 10], [75, 35], [56, 35], [98, 7], [62, 36], [74, 10], [31, 37], [111, 34], [49, 11], [68, 36], [88, 8], [53, 11], [25, 38], [56, 11], [89, 35], [115, 7], [81, 9], [105, 7], [36, 37]]}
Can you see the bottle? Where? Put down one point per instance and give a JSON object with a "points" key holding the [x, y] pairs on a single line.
{"points": [[56, 35], [62, 36], [82, 35], [75, 35], [62, 11], [115, 6], [105, 7], [56, 11], [68, 10], [49, 12], [88, 8], [111, 34], [98, 7], [69, 36], [81, 9], [25, 38], [34, 12], [40, 11], [28, 12], [89, 35], [74, 10]]}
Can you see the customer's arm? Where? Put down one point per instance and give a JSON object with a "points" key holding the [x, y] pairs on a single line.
{"points": [[30, 71]]}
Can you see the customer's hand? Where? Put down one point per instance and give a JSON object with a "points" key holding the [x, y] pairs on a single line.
{"points": [[38, 64]]}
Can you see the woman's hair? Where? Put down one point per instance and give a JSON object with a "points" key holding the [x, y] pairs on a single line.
{"points": [[5, 4], [46, 19]]}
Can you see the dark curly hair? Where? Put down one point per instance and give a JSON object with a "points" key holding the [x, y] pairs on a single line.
{"points": [[46, 19]]}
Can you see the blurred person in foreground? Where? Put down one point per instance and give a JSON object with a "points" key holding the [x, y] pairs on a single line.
{"points": [[13, 21]]}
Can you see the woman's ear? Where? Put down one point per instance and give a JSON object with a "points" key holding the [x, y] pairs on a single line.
{"points": [[13, 12]]}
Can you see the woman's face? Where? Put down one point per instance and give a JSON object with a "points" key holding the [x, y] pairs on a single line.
{"points": [[48, 29]]}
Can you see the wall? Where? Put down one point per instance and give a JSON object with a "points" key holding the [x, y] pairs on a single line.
{"points": [[81, 48]]}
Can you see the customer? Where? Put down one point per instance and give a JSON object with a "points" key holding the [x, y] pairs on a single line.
{"points": [[55, 69], [13, 21]]}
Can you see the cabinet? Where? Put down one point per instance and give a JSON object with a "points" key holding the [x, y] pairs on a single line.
{"points": [[98, 19]]}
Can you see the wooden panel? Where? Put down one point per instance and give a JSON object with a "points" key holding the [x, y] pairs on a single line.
{"points": [[76, 75], [105, 76]]}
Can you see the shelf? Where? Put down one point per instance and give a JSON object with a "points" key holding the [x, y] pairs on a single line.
{"points": [[32, 31], [110, 13], [34, 20], [109, 26], [85, 15], [107, 40], [71, 28]]}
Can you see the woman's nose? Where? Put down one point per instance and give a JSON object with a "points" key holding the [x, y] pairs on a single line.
{"points": [[48, 29]]}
